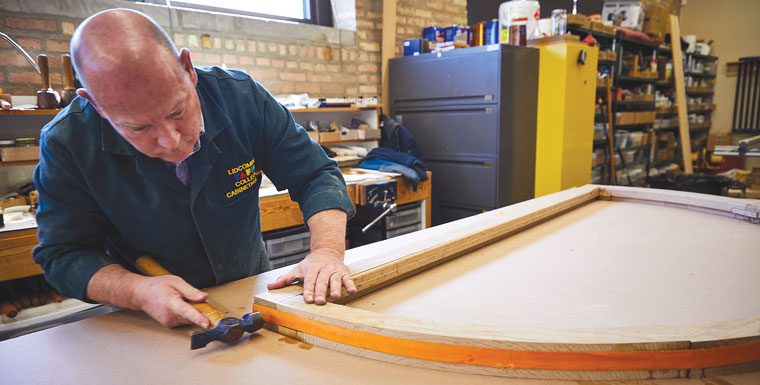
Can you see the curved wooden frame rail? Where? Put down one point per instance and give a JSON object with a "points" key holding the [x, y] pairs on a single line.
{"points": [[598, 354]]}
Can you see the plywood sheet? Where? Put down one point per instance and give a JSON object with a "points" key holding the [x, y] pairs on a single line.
{"points": [[603, 265]]}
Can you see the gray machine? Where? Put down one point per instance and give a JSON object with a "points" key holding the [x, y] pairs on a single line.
{"points": [[473, 114]]}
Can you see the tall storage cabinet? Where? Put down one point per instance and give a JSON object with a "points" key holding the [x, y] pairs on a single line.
{"points": [[473, 114]]}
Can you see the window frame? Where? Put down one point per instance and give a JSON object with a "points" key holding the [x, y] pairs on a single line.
{"points": [[318, 12]]}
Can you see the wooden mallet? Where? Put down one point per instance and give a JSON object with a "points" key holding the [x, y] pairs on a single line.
{"points": [[225, 329], [46, 97]]}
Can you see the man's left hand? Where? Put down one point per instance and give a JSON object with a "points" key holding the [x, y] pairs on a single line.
{"points": [[320, 271]]}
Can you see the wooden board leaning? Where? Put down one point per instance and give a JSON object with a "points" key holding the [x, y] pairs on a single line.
{"points": [[590, 353]]}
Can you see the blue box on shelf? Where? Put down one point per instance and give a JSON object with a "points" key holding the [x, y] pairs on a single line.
{"points": [[414, 47]]}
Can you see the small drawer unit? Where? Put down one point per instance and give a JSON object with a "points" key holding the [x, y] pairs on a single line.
{"points": [[407, 219], [287, 246]]}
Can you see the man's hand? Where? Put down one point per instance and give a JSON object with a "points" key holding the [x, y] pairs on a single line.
{"points": [[164, 298], [323, 268], [320, 271]]}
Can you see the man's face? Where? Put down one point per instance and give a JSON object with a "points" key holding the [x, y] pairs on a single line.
{"points": [[162, 119]]}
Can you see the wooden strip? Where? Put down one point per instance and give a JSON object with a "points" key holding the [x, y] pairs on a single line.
{"points": [[737, 208], [683, 121], [518, 359], [376, 276], [577, 375]]}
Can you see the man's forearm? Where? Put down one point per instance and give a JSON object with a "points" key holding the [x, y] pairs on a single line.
{"points": [[113, 285], [328, 232]]}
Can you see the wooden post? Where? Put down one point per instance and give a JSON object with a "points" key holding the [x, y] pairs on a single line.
{"points": [[388, 49], [683, 121]]}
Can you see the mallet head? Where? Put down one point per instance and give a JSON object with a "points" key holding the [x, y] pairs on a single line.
{"points": [[228, 330]]}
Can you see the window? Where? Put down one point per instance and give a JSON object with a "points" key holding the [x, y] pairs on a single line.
{"points": [[301, 11]]}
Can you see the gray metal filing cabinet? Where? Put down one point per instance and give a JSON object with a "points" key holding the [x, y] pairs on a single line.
{"points": [[473, 114]]}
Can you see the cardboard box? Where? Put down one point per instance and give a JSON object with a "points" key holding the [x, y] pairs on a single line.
{"points": [[10, 202], [641, 97], [630, 13], [645, 116], [369, 134], [329, 136], [718, 140], [622, 118], [11, 154], [578, 19], [350, 135]]}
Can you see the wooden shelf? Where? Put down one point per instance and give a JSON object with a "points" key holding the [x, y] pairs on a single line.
{"points": [[30, 112], [591, 32], [699, 126], [698, 91], [641, 43], [632, 125], [19, 163], [704, 57], [334, 109], [332, 143], [700, 75], [636, 79], [635, 103], [701, 108]]}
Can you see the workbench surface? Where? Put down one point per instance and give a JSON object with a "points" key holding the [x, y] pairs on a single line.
{"points": [[128, 347]]}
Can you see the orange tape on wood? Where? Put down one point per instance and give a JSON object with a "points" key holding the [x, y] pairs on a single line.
{"points": [[518, 359]]}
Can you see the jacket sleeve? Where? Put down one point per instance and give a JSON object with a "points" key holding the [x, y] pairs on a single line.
{"points": [[294, 162], [72, 230]]}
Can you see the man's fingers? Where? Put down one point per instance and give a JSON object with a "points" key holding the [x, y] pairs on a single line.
{"points": [[308, 285], [188, 291], [185, 310], [284, 280], [336, 284], [348, 282], [320, 286]]}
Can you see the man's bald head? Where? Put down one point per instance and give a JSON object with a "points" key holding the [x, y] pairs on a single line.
{"points": [[136, 79], [119, 42]]}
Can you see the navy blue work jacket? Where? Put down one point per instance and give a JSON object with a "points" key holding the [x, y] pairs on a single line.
{"points": [[104, 202]]}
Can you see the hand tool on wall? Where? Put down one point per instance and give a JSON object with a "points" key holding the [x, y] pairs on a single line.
{"points": [[69, 91], [225, 329], [46, 97]]}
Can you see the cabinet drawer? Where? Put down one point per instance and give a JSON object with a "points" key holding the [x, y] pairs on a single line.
{"points": [[449, 213], [465, 182], [448, 80], [466, 132]]}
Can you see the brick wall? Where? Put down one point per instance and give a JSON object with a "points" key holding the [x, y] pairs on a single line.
{"points": [[324, 62], [414, 15]]}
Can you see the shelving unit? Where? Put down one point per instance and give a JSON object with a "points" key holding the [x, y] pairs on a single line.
{"points": [[699, 79], [699, 74], [42, 111], [623, 80]]}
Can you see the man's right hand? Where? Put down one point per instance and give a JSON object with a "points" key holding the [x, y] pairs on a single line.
{"points": [[164, 298]]}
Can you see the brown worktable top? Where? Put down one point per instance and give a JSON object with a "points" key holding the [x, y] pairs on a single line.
{"points": [[128, 347]]}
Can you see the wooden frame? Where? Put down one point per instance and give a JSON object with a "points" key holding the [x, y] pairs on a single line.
{"points": [[598, 354]]}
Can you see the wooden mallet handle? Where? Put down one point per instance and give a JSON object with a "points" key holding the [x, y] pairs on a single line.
{"points": [[152, 268], [68, 72], [42, 61]]}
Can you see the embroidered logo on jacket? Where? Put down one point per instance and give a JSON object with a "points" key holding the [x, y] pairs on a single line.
{"points": [[245, 176]]}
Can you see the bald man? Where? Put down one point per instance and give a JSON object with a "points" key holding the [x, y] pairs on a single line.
{"points": [[156, 157]]}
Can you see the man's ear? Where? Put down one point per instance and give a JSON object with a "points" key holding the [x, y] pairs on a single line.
{"points": [[83, 93], [187, 65]]}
